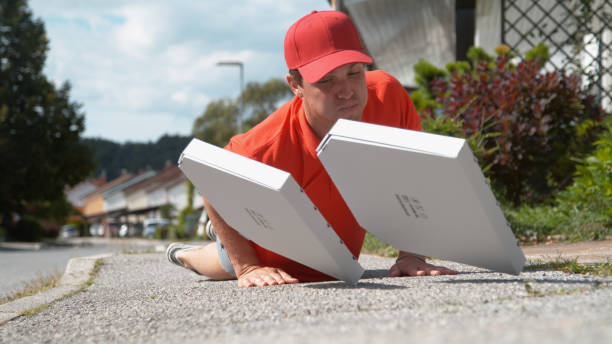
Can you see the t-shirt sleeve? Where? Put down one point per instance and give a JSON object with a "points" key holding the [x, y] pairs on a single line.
{"points": [[409, 117], [237, 146], [390, 104]]}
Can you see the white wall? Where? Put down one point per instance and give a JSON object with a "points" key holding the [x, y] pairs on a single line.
{"points": [[137, 200], [157, 197], [177, 196], [76, 194], [114, 201]]}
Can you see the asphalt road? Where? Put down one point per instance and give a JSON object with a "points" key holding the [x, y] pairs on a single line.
{"points": [[144, 299], [18, 266]]}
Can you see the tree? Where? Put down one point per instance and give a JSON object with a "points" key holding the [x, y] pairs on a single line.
{"points": [[40, 150], [217, 124], [263, 99], [112, 157]]}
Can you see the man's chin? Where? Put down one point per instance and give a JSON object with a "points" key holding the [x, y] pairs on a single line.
{"points": [[350, 116]]}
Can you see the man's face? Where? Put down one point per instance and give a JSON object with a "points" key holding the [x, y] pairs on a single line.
{"points": [[342, 93]]}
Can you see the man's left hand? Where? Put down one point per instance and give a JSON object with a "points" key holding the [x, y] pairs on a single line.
{"points": [[416, 266]]}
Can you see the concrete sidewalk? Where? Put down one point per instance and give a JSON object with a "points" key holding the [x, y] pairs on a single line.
{"points": [[144, 299], [582, 252]]}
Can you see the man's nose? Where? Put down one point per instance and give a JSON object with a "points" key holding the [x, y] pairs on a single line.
{"points": [[344, 90]]}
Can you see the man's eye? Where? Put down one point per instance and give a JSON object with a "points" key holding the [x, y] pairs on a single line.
{"points": [[324, 81]]}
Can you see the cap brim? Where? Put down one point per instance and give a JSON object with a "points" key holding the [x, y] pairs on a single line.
{"points": [[315, 70]]}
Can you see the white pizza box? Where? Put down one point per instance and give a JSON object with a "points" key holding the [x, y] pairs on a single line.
{"points": [[267, 206], [421, 193]]}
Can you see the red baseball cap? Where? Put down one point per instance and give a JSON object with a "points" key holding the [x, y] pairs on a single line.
{"points": [[322, 41]]}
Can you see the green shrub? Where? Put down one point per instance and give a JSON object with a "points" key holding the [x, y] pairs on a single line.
{"points": [[529, 123], [27, 229], [534, 118], [591, 192], [372, 245], [592, 187], [581, 212], [451, 126], [161, 232]]}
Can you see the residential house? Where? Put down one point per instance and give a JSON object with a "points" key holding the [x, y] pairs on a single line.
{"points": [[115, 205], [76, 194], [168, 186], [398, 33], [93, 208]]}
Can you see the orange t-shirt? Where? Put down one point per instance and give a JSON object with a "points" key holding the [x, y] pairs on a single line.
{"points": [[285, 140]]}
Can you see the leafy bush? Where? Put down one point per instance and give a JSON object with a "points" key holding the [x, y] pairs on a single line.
{"points": [[581, 212], [372, 245], [533, 118], [27, 229], [592, 187], [591, 191], [452, 126]]}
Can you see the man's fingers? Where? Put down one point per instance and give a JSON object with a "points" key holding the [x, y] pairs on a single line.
{"points": [[416, 267], [264, 277], [439, 270], [245, 283], [286, 277], [270, 280]]}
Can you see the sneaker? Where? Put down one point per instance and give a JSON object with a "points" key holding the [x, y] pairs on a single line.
{"points": [[210, 231], [175, 248]]}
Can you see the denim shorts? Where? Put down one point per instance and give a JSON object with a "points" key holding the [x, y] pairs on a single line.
{"points": [[224, 258]]}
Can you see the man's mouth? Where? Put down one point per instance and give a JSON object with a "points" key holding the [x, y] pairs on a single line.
{"points": [[348, 108]]}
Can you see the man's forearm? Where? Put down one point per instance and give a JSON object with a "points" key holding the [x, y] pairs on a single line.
{"points": [[240, 250]]}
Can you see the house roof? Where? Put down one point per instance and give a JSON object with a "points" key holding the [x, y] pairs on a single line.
{"points": [[129, 182], [107, 186], [96, 182], [168, 174]]}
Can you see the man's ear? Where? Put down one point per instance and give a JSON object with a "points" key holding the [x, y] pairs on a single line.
{"points": [[294, 86]]}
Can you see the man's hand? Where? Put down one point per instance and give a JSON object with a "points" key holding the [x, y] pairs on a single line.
{"points": [[410, 265], [259, 276]]}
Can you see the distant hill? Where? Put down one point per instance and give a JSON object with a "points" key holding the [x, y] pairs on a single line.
{"points": [[112, 157]]}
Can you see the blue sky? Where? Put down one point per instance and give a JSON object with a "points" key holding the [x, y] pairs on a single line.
{"points": [[145, 68]]}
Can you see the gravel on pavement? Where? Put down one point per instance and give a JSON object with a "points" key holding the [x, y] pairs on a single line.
{"points": [[142, 298]]}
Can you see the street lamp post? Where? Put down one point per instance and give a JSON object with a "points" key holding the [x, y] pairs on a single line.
{"points": [[241, 105]]}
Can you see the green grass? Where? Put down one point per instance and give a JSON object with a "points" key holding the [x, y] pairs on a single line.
{"points": [[532, 292], [573, 267], [532, 224], [371, 245], [92, 275], [40, 284], [47, 282]]}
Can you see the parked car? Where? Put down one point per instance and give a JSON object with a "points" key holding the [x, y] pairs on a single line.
{"points": [[68, 231], [130, 230], [151, 225], [96, 229], [114, 228]]}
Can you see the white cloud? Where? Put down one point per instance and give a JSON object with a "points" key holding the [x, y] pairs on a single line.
{"points": [[151, 65]]}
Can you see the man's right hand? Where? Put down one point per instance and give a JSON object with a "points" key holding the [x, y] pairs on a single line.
{"points": [[259, 276]]}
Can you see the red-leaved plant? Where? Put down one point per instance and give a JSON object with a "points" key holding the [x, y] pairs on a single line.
{"points": [[536, 115]]}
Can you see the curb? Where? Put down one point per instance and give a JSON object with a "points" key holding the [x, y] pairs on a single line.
{"points": [[19, 246], [586, 252], [76, 274]]}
